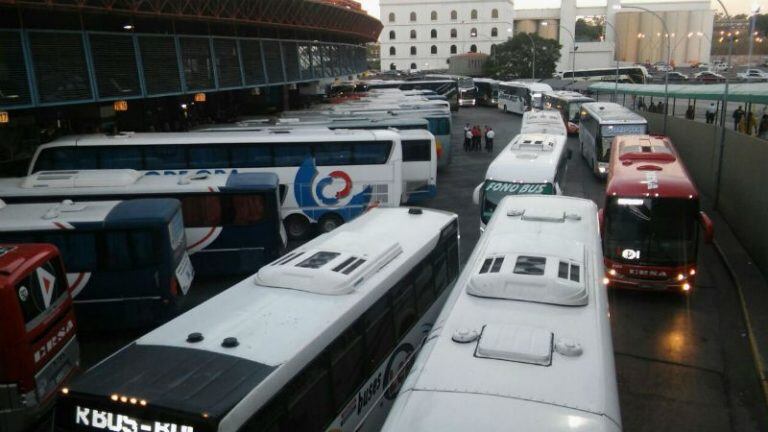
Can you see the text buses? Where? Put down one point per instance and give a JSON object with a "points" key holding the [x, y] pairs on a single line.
{"points": [[318, 340], [524, 340], [651, 217], [600, 123], [330, 177], [519, 97], [530, 164], [126, 261], [232, 221], [38, 347], [568, 104]]}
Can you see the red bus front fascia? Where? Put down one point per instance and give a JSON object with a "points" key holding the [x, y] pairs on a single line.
{"points": [[648, 277]]}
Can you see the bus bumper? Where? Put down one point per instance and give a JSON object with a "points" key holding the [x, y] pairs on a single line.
{"points": [[677, 279]]}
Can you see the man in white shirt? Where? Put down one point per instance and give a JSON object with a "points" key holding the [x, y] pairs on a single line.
{"points": [[489, 136], [711, 112]]}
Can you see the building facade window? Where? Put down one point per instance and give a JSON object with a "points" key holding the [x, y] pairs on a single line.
{"points": [[391, 35], [433, 34], [473, 48], [391, 17], [433, 50], [433, 16], [454, 15], [494, 13], [453, 49], [413, 34], [473, 32], [453, 33], [494, 32], [473, 14], [392, 66], [392, 51], [413, 66], [413, 16], [413, 50]]}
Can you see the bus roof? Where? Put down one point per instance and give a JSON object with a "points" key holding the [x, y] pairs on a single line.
{"points": [[127, 181], [570, 96], [518, 343], [16, 260], [609, 112], [528, 158], [61, 216], [647, 166], [533, 86], [268, 136], [284, 315], [546, 122]]}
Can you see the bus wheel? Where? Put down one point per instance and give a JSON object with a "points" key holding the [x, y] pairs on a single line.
{"points": [[297, 227], [329, 222]]}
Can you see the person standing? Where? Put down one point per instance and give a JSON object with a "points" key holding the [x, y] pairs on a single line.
{"points": [[751, 123], [477, 134], [711, 113], [689, 114], [489, 136], [467, 138], [737, 116], [762, 130]]}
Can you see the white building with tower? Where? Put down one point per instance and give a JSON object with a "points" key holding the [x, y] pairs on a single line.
{"points": [[424, 34]]}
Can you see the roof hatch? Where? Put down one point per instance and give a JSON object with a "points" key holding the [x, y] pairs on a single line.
{"points": [[336, 266], [516, 343], [84, 178]]}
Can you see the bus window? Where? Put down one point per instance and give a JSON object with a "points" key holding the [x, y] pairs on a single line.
{"points": [[310, 402], [379, 333], [67, 158], [245, 156], [30, 293], [78, 250], [291, 154], [371, 153], [120, 158], [328, 154], [208, 156], [201, 211], [347, 366], [128, 250], [246, 209], [441, 273], [165, 157], [425, 294], [416, 150]]}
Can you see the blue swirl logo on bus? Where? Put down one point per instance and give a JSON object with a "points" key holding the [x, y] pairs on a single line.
{"points": [[307, 176]]}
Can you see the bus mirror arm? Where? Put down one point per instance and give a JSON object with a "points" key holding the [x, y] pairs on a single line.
{"points": [[706, 224], [601, 221], [476, 194]]}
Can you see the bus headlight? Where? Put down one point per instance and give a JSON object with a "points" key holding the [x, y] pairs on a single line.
{"points": [[680, 276], [602, 169], [605, 281], [612, 272], [692, 272], [686, 287]]}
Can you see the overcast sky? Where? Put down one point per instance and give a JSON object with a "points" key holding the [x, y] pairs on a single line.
{"points": [[734, 6]]}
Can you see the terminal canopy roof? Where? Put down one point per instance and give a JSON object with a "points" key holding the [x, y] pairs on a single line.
{"points": [[741, 92]]}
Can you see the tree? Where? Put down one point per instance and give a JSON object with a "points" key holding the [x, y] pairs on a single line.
{"points": [[589, 29], [513, 58]]}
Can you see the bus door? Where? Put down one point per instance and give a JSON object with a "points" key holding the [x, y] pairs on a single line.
{"points": [[39, 351]]}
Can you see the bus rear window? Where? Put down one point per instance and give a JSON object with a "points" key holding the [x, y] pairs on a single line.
{"points": [[371, 153], [416, 150], [247, 209], [128, 250], [39, 290]]}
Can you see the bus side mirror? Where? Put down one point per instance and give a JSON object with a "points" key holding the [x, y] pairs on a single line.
{"points": [[476, 194], [601, 220], [709, 229]]}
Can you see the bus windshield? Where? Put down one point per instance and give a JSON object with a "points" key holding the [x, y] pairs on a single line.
{"points": [[574, 109], [494, 191], [468, 93], [608, 132], [651, 231]]}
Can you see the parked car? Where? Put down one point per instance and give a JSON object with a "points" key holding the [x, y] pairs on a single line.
{"points": [[753, 75], [663, 67], [676, 76], [708, 77], [720, 67]]}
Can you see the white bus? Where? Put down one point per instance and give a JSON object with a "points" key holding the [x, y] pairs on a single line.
{"points": [[519, 97], [418, 144], [232, 221], [568, 103], [530, 164], [544, 122], [600, 123], [326, 177], [524, 340], [318, 340]]}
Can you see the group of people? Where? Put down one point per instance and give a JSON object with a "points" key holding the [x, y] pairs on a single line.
{"points": [[473, 137], [651, 107], [746, 122]]}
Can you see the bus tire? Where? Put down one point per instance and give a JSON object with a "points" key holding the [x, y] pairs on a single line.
{"points": [[297, 227], [329, 222]]}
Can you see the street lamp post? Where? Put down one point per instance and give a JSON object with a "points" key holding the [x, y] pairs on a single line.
{"points": [[725, 103], [533, 52], [616, 55], [669, 53], [755, 10], [573, 52]]}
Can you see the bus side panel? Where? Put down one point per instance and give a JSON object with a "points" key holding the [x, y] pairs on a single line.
{"points": [[239, 249]]}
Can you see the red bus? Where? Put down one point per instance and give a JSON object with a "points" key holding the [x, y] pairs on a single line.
{"points": [[651, 218], [38, 348]]}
